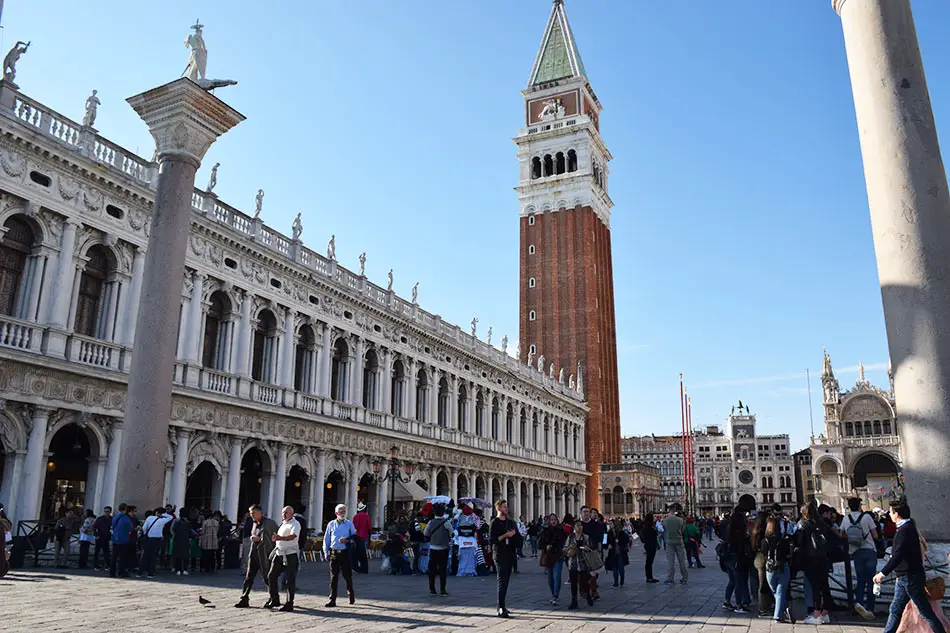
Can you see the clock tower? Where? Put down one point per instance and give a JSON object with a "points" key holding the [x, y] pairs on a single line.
{"points": [[566, 284]]}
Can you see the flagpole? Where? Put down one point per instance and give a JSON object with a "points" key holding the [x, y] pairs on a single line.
{"points": [[683, 423], [692, 458]]}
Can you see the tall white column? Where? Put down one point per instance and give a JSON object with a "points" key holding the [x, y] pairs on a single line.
{"points": [[382, 499], [326, 354], [910, 215], [280, 481], [409, 388], [490, 488], [234, 480], [184, 120], [130, 311], [384, 401], [470, 390], [352, 482], [34, 470], [12, 479], [116, 289], [356, 393], [194, 321], [454, 484], [35, 285], [453, 417], [112, 467], [242, 365], [434, 481], [63, 283], [180, 469], [320, 478], [100, 478], [286, 355]]}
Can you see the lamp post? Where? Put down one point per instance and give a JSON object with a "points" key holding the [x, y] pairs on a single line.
{"points": [[392, 474]]}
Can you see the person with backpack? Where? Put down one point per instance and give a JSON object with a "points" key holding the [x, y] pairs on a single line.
{"points": [[811, 554], [861, 532], [776, 549]]}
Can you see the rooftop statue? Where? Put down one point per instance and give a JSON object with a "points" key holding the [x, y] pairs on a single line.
{"points": [[258, 203], [504, 343], [198, 60], [297, 228], [488, 340], [213, 178], [415, 293], [331, 248], [389, 276], [474, 325], [92, 104], [362, 263], [9, 62]]}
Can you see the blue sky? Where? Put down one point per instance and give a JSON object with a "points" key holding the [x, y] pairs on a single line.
{"points": [[741, 235]]}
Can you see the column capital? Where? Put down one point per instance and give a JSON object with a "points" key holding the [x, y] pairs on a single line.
{"points": [[184, 119]]}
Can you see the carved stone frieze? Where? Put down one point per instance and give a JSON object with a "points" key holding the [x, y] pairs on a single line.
{"points": [[68, 188], [92, 199], [13, 163]]}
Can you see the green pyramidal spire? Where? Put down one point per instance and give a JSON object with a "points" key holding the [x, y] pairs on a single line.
{"points": [[558, 57]]}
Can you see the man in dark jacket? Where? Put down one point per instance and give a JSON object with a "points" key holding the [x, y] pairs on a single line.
{"points": [[908, 565], [505, 541], [262, 542], [103, 529]]}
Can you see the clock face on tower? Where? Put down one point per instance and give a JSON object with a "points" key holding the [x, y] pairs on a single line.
{"points": [[746, 477]]}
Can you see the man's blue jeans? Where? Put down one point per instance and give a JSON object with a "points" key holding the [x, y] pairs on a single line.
{"points": [[778, 582], [911, 588], [554, 578], [865, 566]]}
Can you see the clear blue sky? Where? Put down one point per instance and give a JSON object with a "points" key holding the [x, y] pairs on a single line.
{"points": [[741, 235]]}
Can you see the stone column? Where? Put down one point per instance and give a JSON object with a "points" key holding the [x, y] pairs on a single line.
{"points": [[321, 479], [454, 484], [184, 120], [472, 412], [62, 292], [280, 482], [490, 488], [434, 481], [312, 486], [12, 476], [133, 296], [409, 388], [356, 376], [34, 467], [112, 467], [234, 480], [432, 416], [194, 330], [242, 365], [384, 400], [286, 354], [383, 498], [179, 470], [910, 217], [453, 421], [353, 481], [326, 354]]}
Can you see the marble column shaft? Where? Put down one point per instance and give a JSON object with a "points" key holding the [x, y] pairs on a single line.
{"points": [[34, 467]]}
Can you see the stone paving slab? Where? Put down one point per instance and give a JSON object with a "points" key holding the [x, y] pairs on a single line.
{"points": [[52, 600]]}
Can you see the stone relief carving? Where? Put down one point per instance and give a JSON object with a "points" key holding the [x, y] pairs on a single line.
{"points": [[139, 220], [91, 199], [54, 225], [13, 163], [68, 188]]}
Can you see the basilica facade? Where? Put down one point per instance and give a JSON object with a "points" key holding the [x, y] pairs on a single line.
{"points": [[297, 380]]}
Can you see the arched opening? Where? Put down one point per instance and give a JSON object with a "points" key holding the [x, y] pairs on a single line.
{"points": [[296, 487], [559, 164], [69, 478], [571, 160], [463, 486], [264, 362], [480, 490], [495, 414], [509, 422], [15, 245], [534, 431], [217, 337], [98, 295], [548, 165], [370, 379], [443, 402], [535, 168], [339, 367], [200, 490], [509, 495], [523, 429], [333, 494], [442, 486], [828, 479], [366, 493], [479, 414], [524, 501], [422, 396], [305, 360], [874, 471], [398, 389], [462, 409], [252, 479], [547, 434]]}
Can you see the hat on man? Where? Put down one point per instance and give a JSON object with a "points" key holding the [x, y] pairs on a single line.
{"points": [[360, 507]]}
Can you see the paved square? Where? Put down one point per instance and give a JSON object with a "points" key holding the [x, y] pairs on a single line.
{"points": [[50, 600]]}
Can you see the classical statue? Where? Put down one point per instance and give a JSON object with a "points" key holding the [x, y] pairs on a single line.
{"points": [[541, 363], [518, 352], [9, 62], [213, 178], [488, 340], [551, 371], [92, 103], [389, 278], [258, 203], [560, 376], [198, 59], [297, 228], [570, 383], [530, 356], [504, 343], [415, 293], [474, 325], [331, 249], [362, 263]]}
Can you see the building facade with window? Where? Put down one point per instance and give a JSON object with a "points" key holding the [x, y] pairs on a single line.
{"points": [[665, 454], [859, 454], [804, 477], [295, 376]]}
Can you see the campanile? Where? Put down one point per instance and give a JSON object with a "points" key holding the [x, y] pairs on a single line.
{"points": [[566, 284]]}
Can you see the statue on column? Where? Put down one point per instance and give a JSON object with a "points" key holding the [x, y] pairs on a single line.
{"points": [[297, 228], [258, 203], [213, 179], [541, 363], [362, 263], [415, 293], [198, 59], [489, 335], [92, 103], [570, 383], [560, 376], [9, 62], [551, 371], [504, 343], [474, 325], [389, 280], [331, 249], [530, 356]]}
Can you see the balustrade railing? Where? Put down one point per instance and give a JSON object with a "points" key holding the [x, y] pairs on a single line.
{"points": [[90, 351], [19, 334], [217, 382], [308, 403], [266, 393]]}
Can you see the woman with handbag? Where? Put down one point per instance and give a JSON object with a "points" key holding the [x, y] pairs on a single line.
{"points": [[551, 545], [577, 551]]}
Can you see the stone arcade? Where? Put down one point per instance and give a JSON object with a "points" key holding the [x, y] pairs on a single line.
{"points": [[293, 374]]}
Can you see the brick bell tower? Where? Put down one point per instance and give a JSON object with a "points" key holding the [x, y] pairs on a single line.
{"points": [[567, 296]]}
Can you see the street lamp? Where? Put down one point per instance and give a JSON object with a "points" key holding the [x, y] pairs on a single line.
{"points": [[391, 472]]}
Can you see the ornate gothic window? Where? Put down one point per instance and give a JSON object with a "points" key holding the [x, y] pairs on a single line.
{"points": [[397, 389], [339, 365], [305, 360], [92, 305], [214, 354], [422, 395], [263, 364], [370, 379], [14, 250], [443, 402]]}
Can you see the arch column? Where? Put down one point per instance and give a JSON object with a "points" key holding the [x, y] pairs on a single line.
{"points": [[317, 499], [243, 347], [384, 400], [490, 488], [433, 480], [285, 360], [454, 484], [62, 288], [409, 386], [233, 486], [180, 468], [112, 468], [356, 373], [130, 309], [453, 421], [194, 329], [280, 482], [34, 471]]}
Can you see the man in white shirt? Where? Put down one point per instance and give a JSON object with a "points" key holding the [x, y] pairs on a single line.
{"points": [[285, 559], [152, 531], [861, 531]]}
